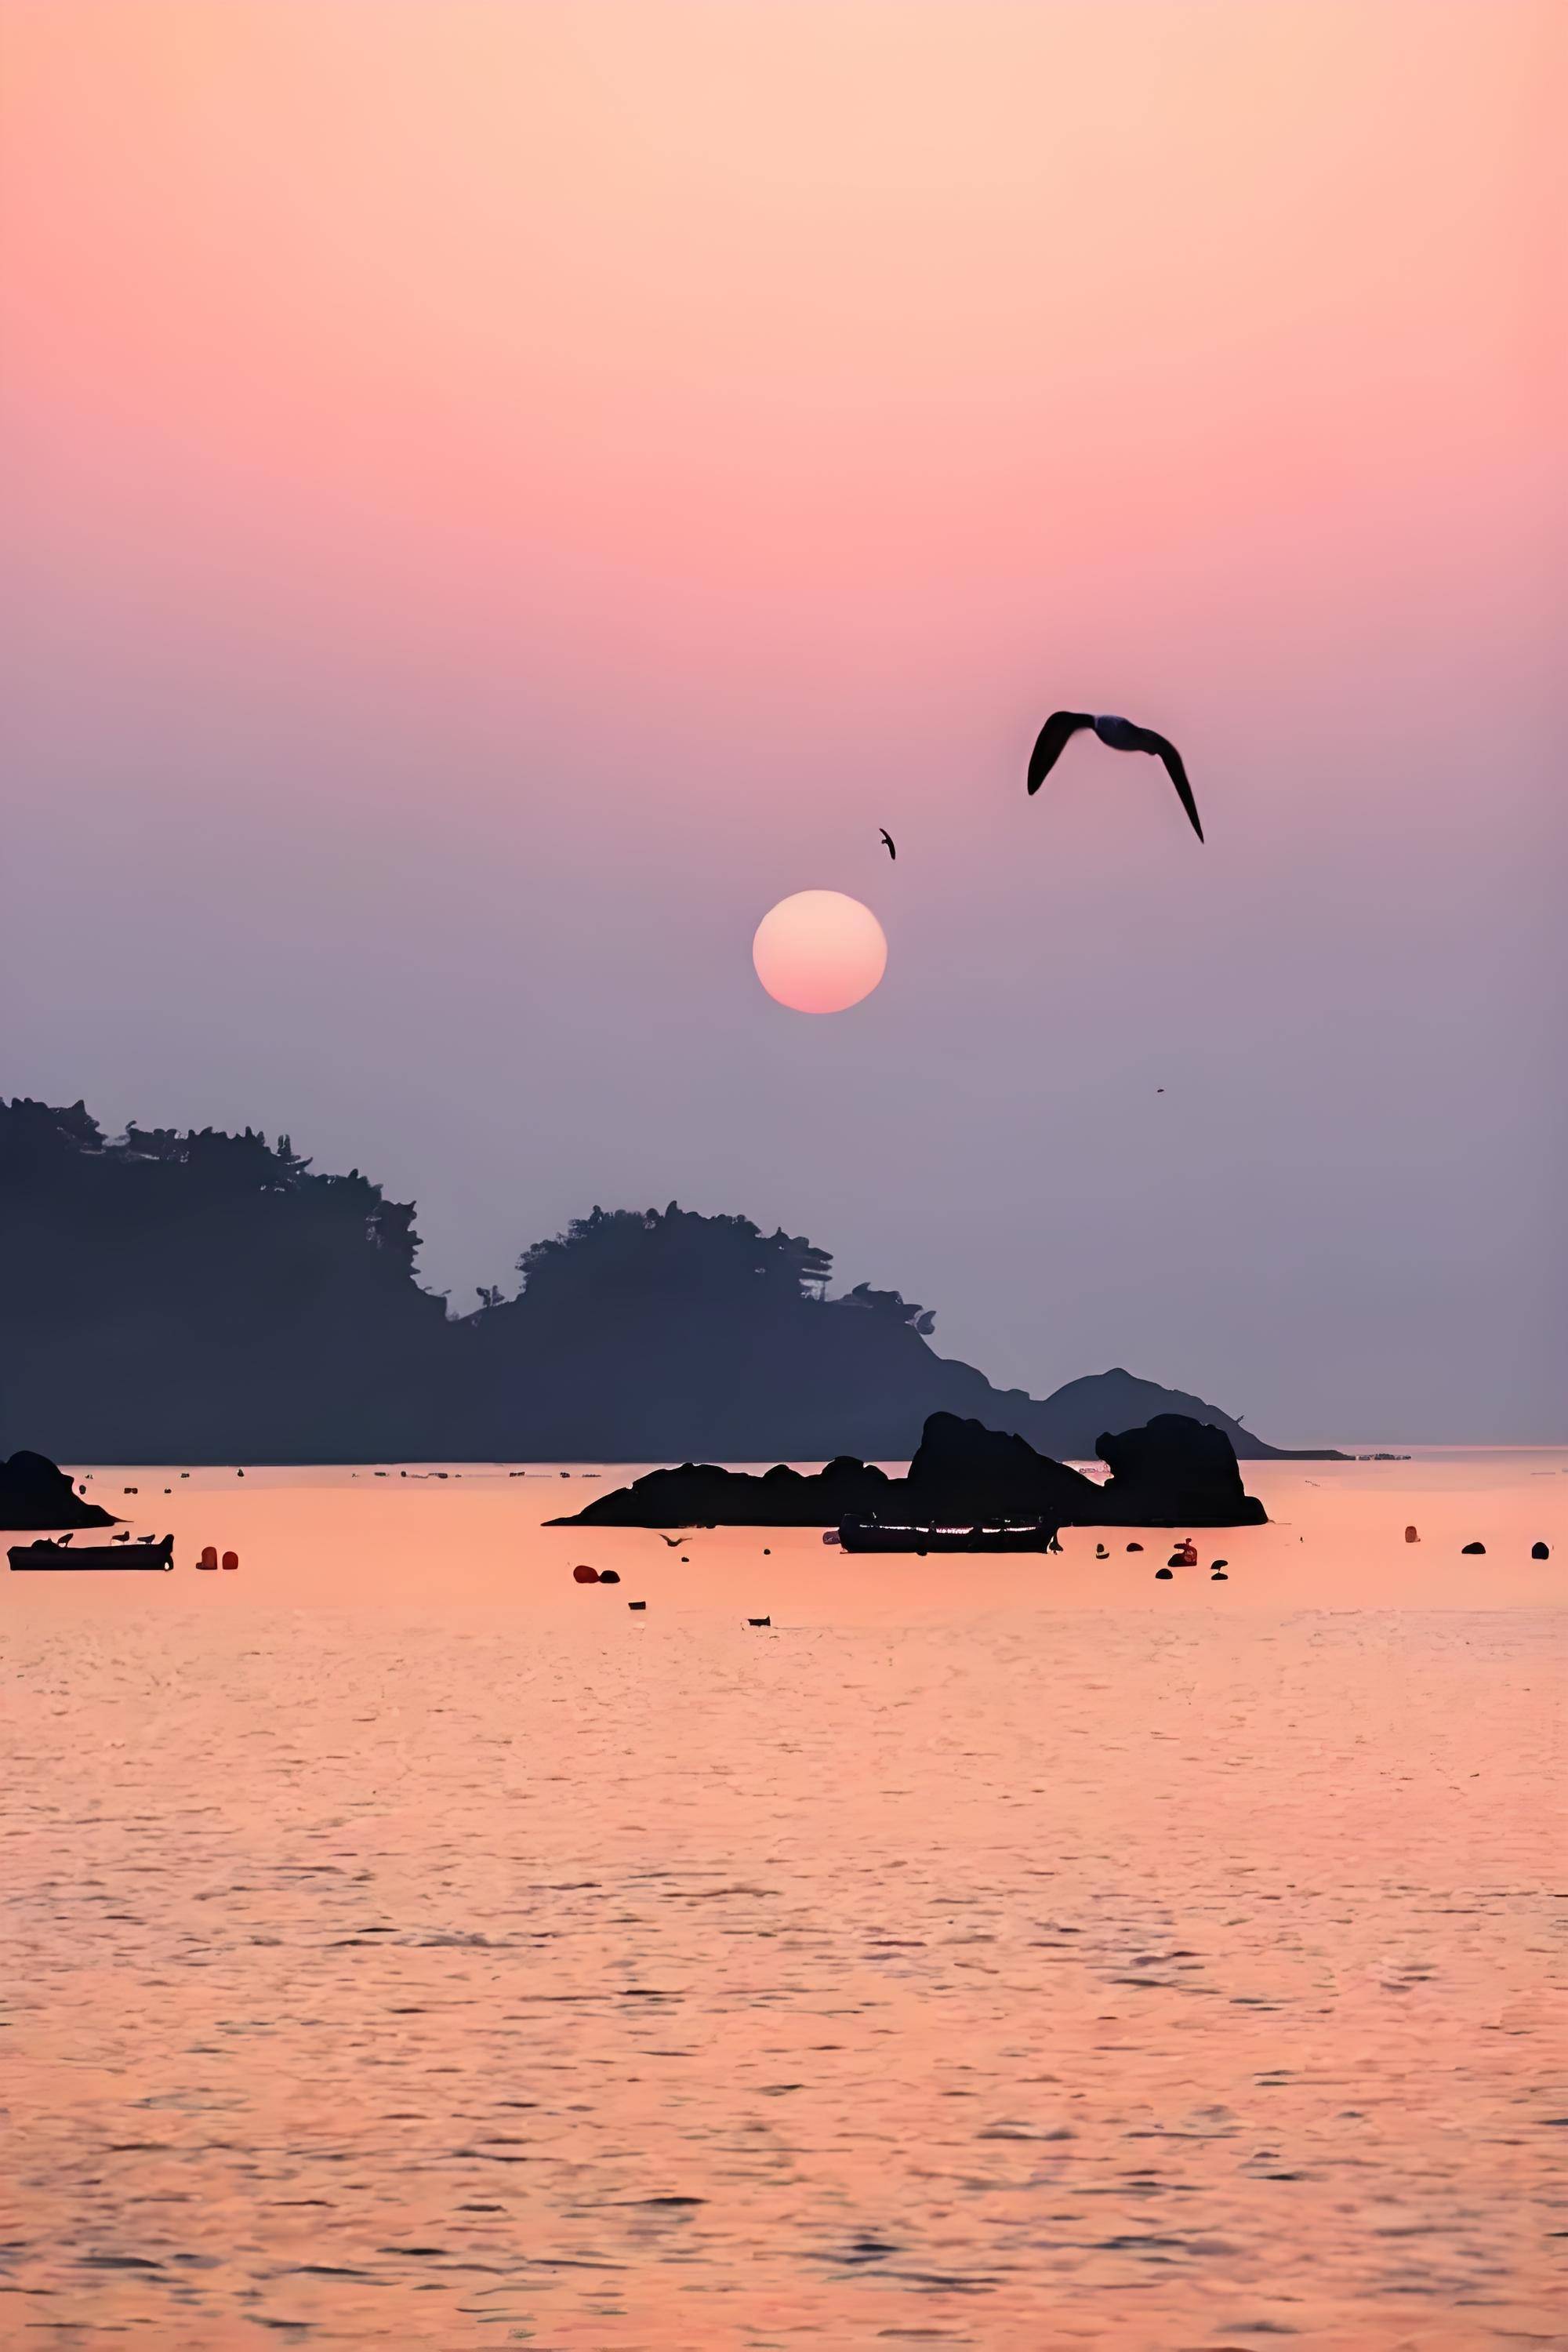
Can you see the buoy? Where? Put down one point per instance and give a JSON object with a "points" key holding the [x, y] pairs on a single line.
{"points": [[609, 1576], [1101, 1552], [1470, 1547], [209, 1557], [636, 1604], [1411, 1536], [1218, 1576], [767, 1551], [1163, 1576], [1134, 1547], [131, 1490], [1539, 1552], [231, 1560], [585, 1576], [685, 1560]]}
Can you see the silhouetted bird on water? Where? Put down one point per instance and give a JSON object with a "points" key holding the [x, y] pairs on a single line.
{"points": [[888, 838], [1119, 735]]}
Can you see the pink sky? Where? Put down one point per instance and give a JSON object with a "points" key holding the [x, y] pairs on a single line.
{"points": [[500, 494]]}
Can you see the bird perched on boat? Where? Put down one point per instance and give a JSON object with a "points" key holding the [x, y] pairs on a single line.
{"points": [[888, 841], [1119, 735], [124, 1539]]}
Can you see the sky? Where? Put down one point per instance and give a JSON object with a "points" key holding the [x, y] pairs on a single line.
{"points": [[498, 496]]}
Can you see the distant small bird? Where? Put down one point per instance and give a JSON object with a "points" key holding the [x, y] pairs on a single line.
{"points": [[64, 1541], [1118, 735], [124, 1539], [146, 1539], [1159, 1090], [887, 839], [674, 1542]]}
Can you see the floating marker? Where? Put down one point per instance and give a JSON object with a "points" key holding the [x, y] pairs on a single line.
{"points": [[1163, 1576], [1539, 1552], [585, 1576], [1411, 1536], [209, 1557], [1134, 1547], [231, 1560], [1470, 1547], [636, 1604], [609, 1576]]}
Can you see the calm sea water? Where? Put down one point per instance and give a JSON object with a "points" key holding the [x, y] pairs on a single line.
{"points": [[403, 1945]]}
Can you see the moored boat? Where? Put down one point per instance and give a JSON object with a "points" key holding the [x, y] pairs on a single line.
{"points": [[925, 1536], [47, 1554]]}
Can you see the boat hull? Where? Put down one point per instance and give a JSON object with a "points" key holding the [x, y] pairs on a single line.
{"points": [[874, 1535]]}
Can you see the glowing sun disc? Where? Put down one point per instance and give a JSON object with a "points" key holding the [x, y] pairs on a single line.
{"points": [[819, 951]]}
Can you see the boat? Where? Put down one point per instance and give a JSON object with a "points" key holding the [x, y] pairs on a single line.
{"points": [[924, 1536], [45, 1553]]}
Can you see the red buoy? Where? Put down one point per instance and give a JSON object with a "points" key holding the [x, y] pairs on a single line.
{"points": [[1411, 1536], [231, 1560], [209, 1557], [586, 1575]]}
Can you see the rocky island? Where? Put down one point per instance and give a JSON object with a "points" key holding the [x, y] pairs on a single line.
{"points": [[1173, 1472]]}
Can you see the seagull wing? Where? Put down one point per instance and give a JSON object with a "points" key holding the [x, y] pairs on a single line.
{"points": [[1178, 774], [1051, 742], [889, 839]]}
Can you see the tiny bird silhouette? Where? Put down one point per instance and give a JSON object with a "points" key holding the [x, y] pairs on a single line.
{"points": [[1119, 735], [888, 840], [674, 1542]]}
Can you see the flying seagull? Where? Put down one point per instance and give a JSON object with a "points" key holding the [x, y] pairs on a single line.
{"points": [[888, 837], [1121, 735]]}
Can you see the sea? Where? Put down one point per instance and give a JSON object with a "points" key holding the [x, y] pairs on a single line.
{"points": [[404, 1944]]}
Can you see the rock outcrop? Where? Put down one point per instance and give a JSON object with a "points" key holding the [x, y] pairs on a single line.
{"points": [[1175, 1471], [33, 1494]]}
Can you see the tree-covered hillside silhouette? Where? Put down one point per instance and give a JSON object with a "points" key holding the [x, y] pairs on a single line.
{"points": [[206, 1297]]}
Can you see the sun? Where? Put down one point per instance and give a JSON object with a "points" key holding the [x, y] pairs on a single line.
{"points": [[819, 951]]}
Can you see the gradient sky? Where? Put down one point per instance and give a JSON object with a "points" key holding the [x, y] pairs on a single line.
{"points": [[500, 494]]}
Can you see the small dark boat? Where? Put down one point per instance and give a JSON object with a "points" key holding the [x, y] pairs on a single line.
{"points": [[45, 1554], [920, 1537]]}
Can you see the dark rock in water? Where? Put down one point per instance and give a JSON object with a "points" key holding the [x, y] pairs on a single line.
{"points": [[33, 1494], [609, 1576], [1134, 1547], [759, 1621], [1473, 1548], [1539, 1552], [1175, 1471], [1163, 1576], [633, 1604]]}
